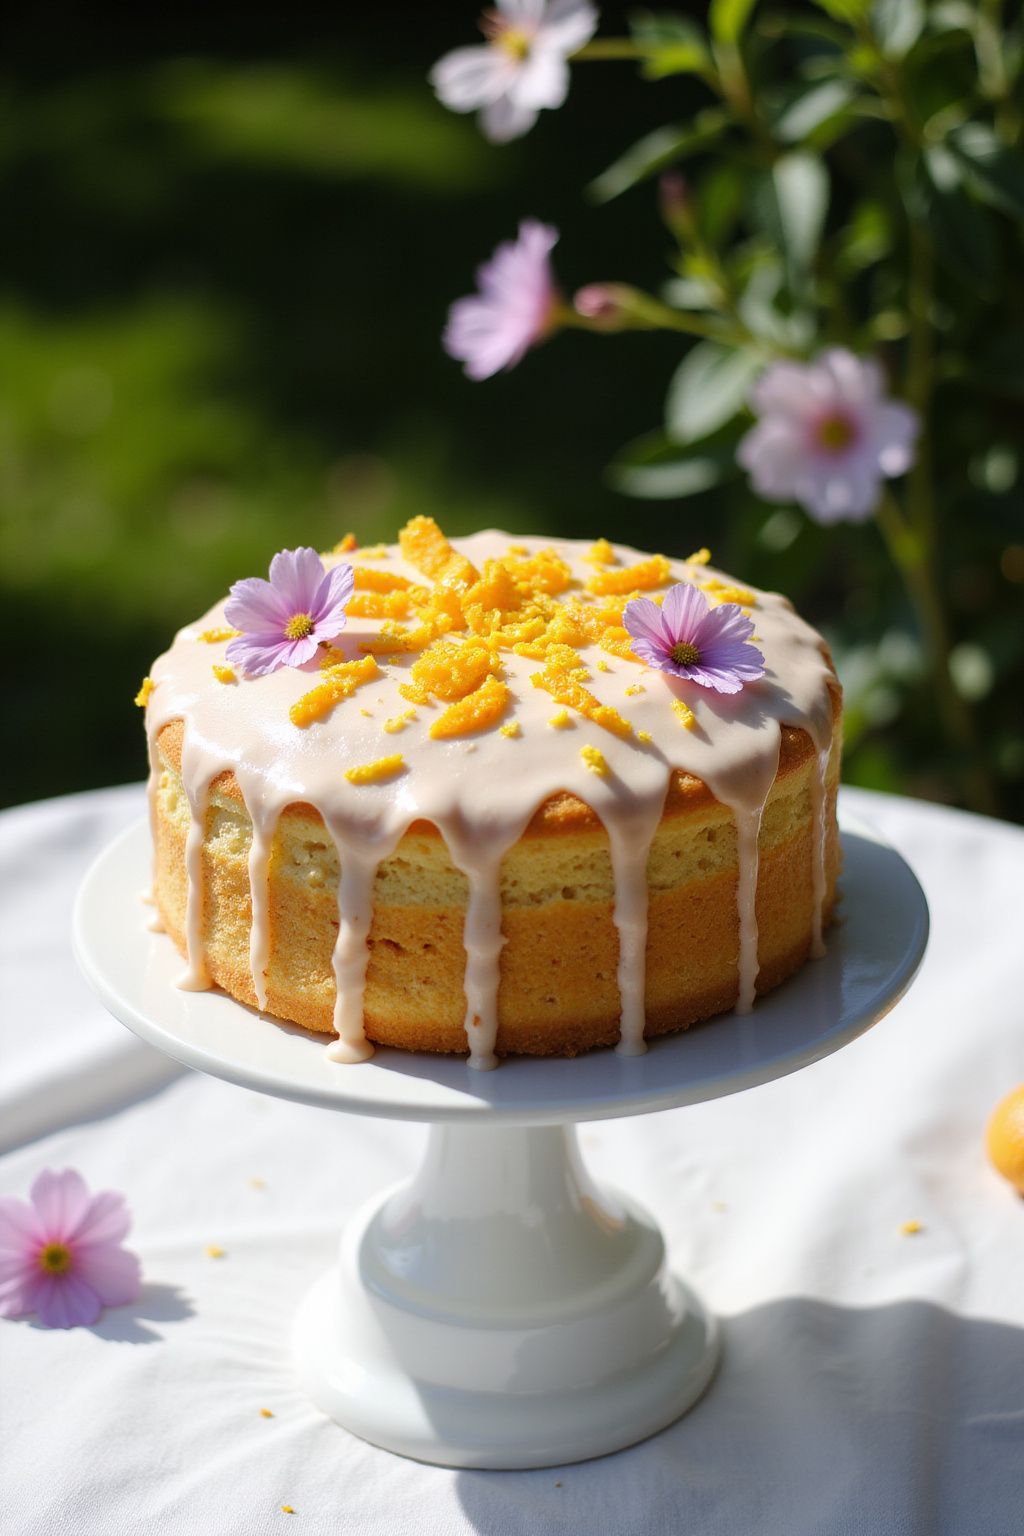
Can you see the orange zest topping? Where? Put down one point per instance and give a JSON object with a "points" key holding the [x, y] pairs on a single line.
{"points": [[655, 572], [214, 636], [340, 681], [224, 674], [378, 605], [617, 641], [399, 722], [684, 714], [450, 670], [563, 678], [723, 592], [146, 688], [370, 580], [602, 553], [699, 557], [425, 546], [374, 773], [511, 728], [475, 712], [594, 759], [345, 545]]}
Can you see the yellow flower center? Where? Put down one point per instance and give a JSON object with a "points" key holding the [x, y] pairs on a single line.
{"points": [[299, 626], [55, 1258], [685, 654], [836, 433], [514, 41]]}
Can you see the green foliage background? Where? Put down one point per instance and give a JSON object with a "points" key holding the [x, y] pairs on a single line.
{"points": [[231, 240]]}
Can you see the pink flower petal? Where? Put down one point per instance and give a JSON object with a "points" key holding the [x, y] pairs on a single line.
{"points": [[543, 80], [567, 25], [114, 1274], [66, 1301], [107, 1220], [468, 78], [19, 1225], [61, 1199], [506, 119], [254, 605], [257, 655], [336, 590], [683, 609], [645, 624], [296, 574], [18, 1295]]}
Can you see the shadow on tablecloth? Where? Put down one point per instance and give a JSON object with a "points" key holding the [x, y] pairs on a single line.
{"points": [[823, 1419]]}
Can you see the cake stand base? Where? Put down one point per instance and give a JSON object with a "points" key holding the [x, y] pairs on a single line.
{"points": [[502, 1311]]}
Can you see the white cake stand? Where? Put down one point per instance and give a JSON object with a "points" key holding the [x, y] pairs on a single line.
{"points": [[500, 1310]]}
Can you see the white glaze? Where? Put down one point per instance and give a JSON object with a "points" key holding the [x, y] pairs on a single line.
{"points": [[481, 792]]}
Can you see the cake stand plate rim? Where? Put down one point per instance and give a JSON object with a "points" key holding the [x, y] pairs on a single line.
{"points": [[872, 957]]}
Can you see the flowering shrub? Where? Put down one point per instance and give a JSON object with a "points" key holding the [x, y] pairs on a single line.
{"points": [[845, 234]]}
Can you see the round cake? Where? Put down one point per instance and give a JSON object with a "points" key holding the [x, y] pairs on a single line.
{"points": [[485, 816]]}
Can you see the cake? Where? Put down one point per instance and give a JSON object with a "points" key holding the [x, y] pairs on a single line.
{"points": [[478, 820]]}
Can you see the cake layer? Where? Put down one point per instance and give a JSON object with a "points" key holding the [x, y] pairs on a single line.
{"points": [[558, 991]]}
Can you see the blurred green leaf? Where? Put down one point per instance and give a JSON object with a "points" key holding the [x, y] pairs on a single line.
{"points": [[844, 10], [655, 468], [897, 25], [790, 203], [657, 150], [809, 106], [720, 195], [995, 172], [708, 389], [728, 19], [866, 239], [962, 234], [672, 45]]}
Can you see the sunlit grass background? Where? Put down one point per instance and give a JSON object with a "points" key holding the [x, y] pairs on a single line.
{"points": [[231, 240]]}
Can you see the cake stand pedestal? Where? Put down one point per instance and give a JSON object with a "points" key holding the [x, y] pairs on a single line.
{"points": [[500, 1309]]}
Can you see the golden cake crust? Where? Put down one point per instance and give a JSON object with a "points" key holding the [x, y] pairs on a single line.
{"points": [[558, 991]]}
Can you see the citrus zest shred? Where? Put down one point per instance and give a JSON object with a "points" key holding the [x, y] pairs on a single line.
{"points": [[724, 592], [224, 674], [699, 557], [399, 722], [345, 545], [266, 1413], [635, 688], [145, 689], [340, 681], [684, 714], [374, 773], [475, 712], [644, 737], [379, 605], [563, 678], [425, 546], [511, 728], [617, 641], [595, 760], [214, 636], [602, 553], [561, 721], [654, 572], [370, 580], [911, 1228]]}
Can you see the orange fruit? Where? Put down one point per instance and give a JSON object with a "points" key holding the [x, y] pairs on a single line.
{"points": [[1004, 1138]]}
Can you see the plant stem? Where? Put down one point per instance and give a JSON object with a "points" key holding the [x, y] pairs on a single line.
{"points": [[639, 311], [913, 559]]}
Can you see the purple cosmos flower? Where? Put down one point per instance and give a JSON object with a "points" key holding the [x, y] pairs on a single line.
{"points": [[687, 636], [61, 1255], [827, 435], [283, 620], [522, 67], [515, 308]]}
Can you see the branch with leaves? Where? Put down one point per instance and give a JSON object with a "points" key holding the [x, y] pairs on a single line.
{"points": [[844, 210]]}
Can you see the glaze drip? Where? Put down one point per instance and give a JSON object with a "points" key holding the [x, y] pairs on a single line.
{"points": [[481, 789]]}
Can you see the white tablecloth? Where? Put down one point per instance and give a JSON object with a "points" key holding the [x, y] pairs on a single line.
{"points": [[872, 1382]]}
